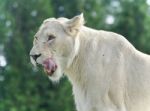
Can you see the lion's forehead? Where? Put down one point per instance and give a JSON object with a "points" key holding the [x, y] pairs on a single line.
{"points": [[51, 28]]}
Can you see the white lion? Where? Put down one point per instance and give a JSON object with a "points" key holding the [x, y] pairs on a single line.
{"points": [[106, 71]]}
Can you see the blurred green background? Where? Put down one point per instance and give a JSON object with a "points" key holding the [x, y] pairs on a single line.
{"points": [[24, 88]]}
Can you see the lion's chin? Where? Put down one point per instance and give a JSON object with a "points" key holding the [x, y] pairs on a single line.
{"points": [[55, 77], [52, 69]]}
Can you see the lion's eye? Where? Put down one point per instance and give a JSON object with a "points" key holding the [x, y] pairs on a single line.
{"points": [[51, 37]]}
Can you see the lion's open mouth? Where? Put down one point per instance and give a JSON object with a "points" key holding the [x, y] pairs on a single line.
{"points": [[49, 66]]}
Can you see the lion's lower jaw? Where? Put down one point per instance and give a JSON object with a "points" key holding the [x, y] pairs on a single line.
{"points": [[56, 76]]}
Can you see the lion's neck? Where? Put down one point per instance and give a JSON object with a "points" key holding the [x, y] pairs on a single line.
{"points": [[76, 71]]}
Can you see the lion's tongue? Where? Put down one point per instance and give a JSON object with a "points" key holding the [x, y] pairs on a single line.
{"points": [[49, 66]]}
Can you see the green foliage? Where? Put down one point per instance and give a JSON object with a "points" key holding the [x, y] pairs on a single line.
{"points": [[67, 8], [131, 18], [24, 88]]}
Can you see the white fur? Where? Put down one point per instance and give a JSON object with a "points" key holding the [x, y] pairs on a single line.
{"points": [[74, 52], [107, 73]]}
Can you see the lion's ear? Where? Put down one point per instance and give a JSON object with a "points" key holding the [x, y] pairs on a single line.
{"points": [[74, 24]]}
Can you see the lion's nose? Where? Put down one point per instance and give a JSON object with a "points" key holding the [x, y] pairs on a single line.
{"points": [[35, 56]]}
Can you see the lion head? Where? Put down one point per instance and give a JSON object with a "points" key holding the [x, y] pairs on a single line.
{"points": [[55, 45]]}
